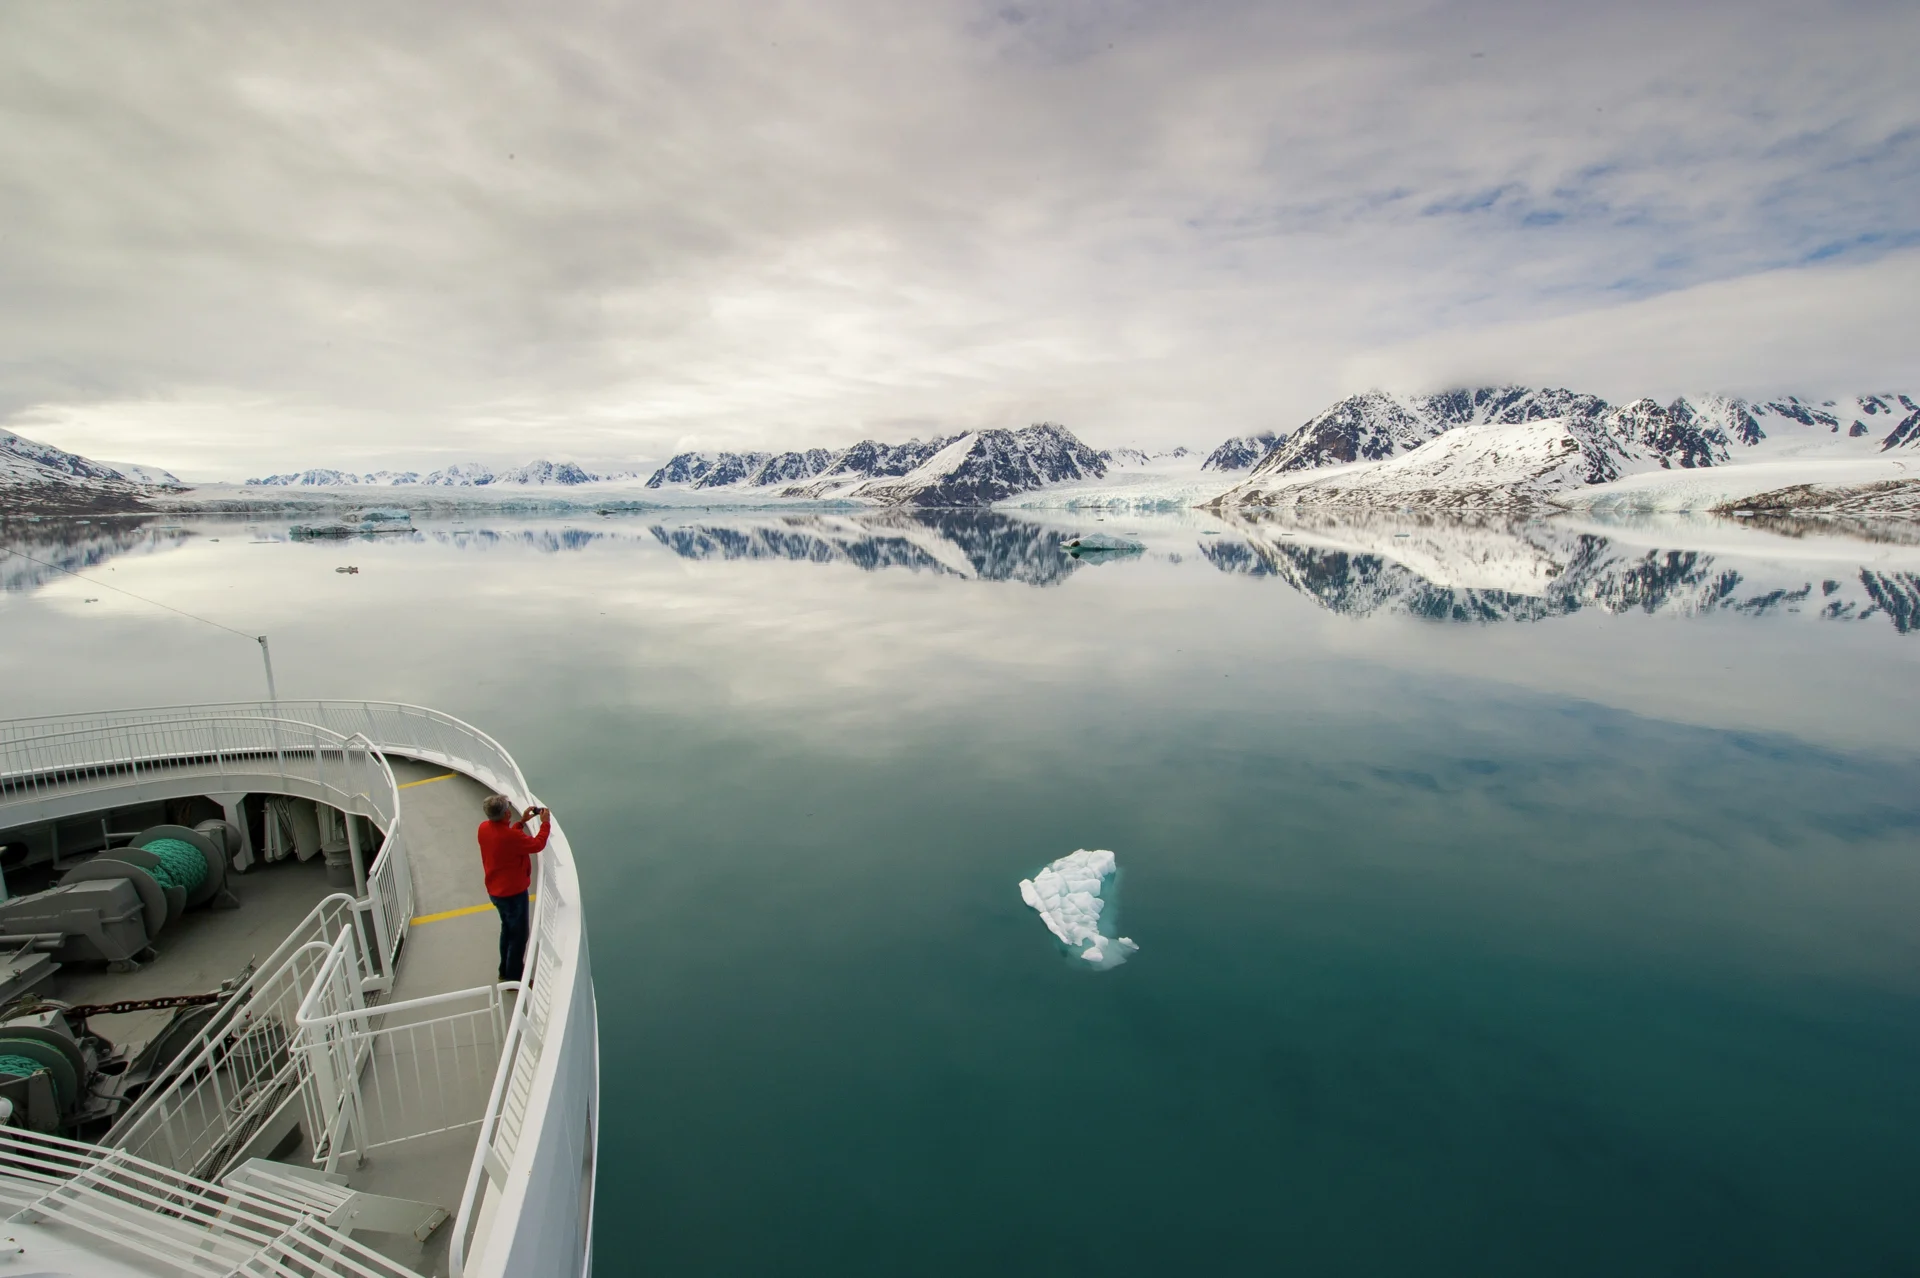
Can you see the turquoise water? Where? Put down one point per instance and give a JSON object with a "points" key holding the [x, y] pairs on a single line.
{"points": [[1481, 931]]}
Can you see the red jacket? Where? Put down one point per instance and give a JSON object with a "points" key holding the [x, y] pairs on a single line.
{"points": [[506, 853]]}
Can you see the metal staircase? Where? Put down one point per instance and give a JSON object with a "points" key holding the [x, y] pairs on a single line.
{"points": [[325, 1196], [175, 1222]]}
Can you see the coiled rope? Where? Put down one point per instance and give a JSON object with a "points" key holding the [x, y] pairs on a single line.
{"points": [[181, 863], [20, 1066]]}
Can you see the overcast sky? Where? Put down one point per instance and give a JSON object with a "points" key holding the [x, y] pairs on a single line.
{"points": [[247, 237]]}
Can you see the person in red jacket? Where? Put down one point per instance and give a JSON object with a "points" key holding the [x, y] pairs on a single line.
{"points": [[506, 854]]}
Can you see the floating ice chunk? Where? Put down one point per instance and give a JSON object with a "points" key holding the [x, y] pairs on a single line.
{"points": [[1086, 543], [1067, 896]]}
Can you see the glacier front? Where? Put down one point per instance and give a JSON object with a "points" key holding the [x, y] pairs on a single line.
{"points": [[1067, 896]]}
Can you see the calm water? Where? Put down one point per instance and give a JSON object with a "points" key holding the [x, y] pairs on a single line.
{"points": [[1510, 901]]}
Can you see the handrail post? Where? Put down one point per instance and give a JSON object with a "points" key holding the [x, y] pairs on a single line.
{"points": [[273, 694], [359, 856]]}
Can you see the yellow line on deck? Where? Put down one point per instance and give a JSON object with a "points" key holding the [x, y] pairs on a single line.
{"points": [[452, 914], [408, 785], [462, 912]]}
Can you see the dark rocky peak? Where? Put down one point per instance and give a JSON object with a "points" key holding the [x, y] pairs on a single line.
{"points": [[708, 470], [875, 460], [1511, 404], [1455, 407], [731, 468], [1056, 452], [682, 468], [791, 468], [1541, 405], [1904, 435], [988, 465], [1367, 427], [1794, 410], [1644, 424], [1242, 451], [1723, 422]]}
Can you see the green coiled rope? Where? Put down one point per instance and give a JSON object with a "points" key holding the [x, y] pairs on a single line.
{"points": [[181, 864], [20, 1066]]}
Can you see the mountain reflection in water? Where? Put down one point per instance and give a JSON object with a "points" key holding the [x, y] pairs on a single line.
{"points": [[36, 551], [1458, 569], [1467, 571], [1565, 572], [980, 544], [1443, 570]]}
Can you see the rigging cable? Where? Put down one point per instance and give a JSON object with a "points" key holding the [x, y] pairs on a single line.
{"points": [[265, 656]]}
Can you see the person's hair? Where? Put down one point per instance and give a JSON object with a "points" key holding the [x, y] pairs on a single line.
{"points": [[497, 807]]}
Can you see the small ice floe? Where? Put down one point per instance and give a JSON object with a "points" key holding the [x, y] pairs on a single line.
{"points": [[1067, 896]]}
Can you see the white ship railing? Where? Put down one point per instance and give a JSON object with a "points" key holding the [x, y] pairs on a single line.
{"points": [[516, 1091], [528, 1205], [215, 752], [243, 1069], [415, 731], [381, 1075]]}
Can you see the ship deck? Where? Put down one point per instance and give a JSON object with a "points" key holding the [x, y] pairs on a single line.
{"points": [[451, 945]]}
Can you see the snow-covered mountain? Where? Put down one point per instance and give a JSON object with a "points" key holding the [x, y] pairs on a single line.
{"points": [[974, 469], [25, 461], [1513, 446], [768, 470], [1482, 465], [1376, 426], [1126, 458], [39, 477], [982, 467], [152, 476], [1242, 451], [325, 478], [464, 475]]}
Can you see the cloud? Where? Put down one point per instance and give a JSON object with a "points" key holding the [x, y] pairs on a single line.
{"points": [[1824, 332], [244, 237]]}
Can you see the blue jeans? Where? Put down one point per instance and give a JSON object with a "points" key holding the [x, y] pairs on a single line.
{"points": [[513, 935]]}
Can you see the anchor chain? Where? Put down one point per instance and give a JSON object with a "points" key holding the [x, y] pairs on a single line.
{"points": [[80, 1011]]}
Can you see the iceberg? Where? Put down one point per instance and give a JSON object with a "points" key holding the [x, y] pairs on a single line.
{"points": [[1067, 897]]}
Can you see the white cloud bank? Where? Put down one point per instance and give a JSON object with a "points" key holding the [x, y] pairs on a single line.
{"points": [[248, 236], [1808, 330]]}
